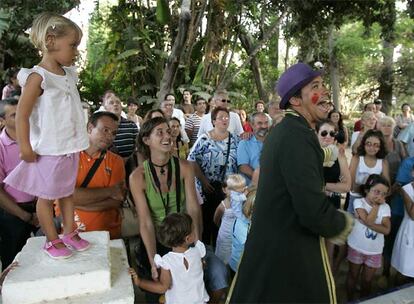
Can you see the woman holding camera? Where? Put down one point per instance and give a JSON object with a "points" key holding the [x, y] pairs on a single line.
{"points": [[215, 156]]}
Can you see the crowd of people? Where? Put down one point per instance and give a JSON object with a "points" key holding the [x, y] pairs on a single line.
{"points": [[192, 171]]}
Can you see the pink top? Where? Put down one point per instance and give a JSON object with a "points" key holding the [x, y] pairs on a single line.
{"points": [[7, 90], [9, 159]]}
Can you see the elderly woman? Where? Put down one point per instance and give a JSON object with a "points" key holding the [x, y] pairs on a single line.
{"points": [[368, 121], [215, 156], [396, 154], [395, 148], [162, 185]]}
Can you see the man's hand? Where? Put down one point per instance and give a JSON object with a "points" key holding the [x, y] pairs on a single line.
{"points": [[118, 191], [246, 135]]}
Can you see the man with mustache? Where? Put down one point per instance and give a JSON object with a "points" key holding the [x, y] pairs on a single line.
{"points": [[249, 150], [98, 202], [285, 258]]}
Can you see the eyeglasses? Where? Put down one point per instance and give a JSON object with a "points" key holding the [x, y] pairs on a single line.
{"points": [[222, 118], [226, 100], [370, 144], [324, 133], [378, 192]]}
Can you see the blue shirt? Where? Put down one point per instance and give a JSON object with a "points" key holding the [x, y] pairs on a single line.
{"points": [[240, 231], [407, 137], [404, 176], [248, 153]]}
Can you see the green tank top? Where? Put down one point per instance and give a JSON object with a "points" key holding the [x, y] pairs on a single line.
{"points": [[155, 204]]}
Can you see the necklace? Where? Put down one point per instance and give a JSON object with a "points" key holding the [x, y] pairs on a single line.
{"points": [[162, 170]]}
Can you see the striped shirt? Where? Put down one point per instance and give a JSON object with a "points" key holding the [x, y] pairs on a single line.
{"points": [[193, 124], [125, 140]]}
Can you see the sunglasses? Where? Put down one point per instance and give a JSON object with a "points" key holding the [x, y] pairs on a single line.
{"points": [[324, 133], [226, 100]]}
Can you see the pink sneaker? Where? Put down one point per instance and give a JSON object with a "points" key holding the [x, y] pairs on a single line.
{"points": [[57, 253], [70, 240]]}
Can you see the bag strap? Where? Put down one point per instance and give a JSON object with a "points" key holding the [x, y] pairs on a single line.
{"points": [[93, 169], [223, 174], [177, 183]]}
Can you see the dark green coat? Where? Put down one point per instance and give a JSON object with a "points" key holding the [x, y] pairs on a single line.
{"points": [[285, 258]]}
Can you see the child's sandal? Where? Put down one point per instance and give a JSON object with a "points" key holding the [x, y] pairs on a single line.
{"points": [[78, 245], [55, 252]]}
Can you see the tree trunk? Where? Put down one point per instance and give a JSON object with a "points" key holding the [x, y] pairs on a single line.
{"points": [[386, 79], [247, 43], [333, 70], [173, 60], [228, 79], [286, 61], [216, 31], [196, 18]]}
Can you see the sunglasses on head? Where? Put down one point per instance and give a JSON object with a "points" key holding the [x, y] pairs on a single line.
{"points": [[324, 133]]}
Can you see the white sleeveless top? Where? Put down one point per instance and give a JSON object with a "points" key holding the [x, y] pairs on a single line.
{"points": [[57, 123], [363, 171]]}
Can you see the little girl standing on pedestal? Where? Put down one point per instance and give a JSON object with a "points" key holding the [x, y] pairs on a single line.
{"points": [[51, 130]]}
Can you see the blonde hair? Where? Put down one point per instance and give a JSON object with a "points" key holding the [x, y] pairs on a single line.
{"points": [[386, 120], [367, 115], [235, 181], [249, 204], [51, 24]]}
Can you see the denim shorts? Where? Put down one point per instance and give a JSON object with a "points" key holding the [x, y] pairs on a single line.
{"points": [[215, 272]]}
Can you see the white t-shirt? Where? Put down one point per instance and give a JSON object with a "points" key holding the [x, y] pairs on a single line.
{"points": [[354, 137], [235, 126], [57, 122], [187, 285], [364, 239]]}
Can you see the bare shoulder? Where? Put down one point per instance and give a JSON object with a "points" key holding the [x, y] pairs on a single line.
{"points": [[137, 177], [185, 166]]}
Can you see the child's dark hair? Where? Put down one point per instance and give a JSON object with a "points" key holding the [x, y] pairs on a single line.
{"points": [[174, 229], [382, 152], [372, 181]]}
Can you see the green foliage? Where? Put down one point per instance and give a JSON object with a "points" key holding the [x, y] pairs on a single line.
{"points": [[16, 16], [129, 55], [163, 12]]}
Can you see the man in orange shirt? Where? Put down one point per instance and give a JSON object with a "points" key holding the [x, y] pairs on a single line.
{"points": [[97, 205]]}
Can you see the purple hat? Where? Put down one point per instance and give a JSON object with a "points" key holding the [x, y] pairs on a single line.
{"points": [[293, 79]]}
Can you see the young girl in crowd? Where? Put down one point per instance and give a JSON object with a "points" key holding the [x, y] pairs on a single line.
{"points": [[240, 230], [181, 276], [368, 160], [51, 130], [403, 253], [366, 241], [224, 216], [12, 84]]}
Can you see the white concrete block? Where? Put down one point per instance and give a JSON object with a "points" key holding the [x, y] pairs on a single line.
{"points": [[122, 290], [40, 278]]}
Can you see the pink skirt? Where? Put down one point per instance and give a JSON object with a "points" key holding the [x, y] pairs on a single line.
{"points": [[49, 177]]}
